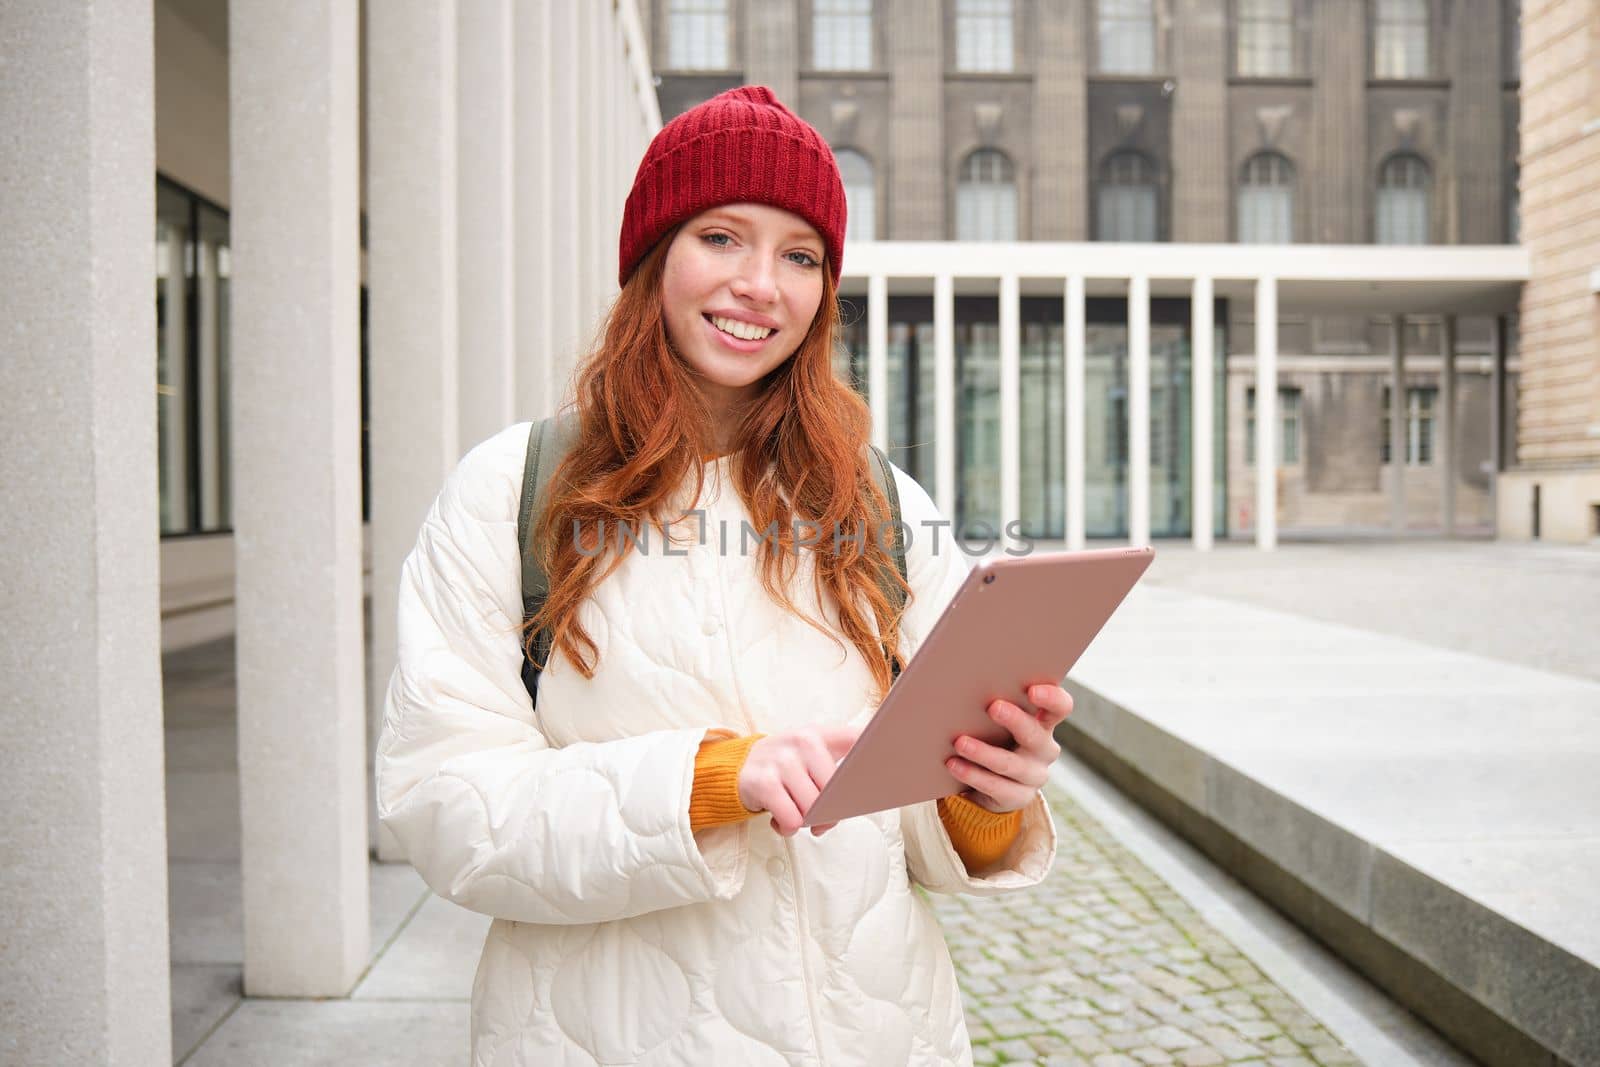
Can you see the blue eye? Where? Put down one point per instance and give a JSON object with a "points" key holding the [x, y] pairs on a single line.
{"points": [[709, 236], [810, 260], [806, 260]]}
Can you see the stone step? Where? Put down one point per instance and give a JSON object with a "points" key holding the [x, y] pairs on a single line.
{"points": [[1432, 816]]}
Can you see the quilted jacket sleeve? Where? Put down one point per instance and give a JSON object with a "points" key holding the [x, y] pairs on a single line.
{"points": [[491, 815], [935, 569]]}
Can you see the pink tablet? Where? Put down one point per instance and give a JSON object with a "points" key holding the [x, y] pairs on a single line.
{"points": [[1015, 622]]}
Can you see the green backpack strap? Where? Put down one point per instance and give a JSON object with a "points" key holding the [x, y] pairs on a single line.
{"points": [[883, 475], [548, 440]]}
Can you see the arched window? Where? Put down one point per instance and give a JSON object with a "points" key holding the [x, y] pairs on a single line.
{"points": [[1126, 202], [1266, 200], [860, 195], [986, 198], [983, 35], [1403, 195], [1266, 38], [1400, 39], [1127, 36], [697, 35], [841, 34]]}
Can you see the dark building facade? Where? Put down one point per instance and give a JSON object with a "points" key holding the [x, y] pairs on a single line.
{"points": [[1255, 121]]}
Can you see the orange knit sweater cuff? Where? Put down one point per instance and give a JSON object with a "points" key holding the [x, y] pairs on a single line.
{"points": [[714, 797], [980, 836]]}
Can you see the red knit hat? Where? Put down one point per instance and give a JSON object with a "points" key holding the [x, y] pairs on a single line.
{"points": [[741, 145]]}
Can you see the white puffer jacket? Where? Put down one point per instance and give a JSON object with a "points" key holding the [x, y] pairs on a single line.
{"points": [[621, 936]]}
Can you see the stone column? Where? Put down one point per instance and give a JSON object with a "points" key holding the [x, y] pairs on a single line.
{"points": [[944, 394], [1076, 408], [878, 357], [1445, 453], [486, 192], [412, 279], [772, 49], [83, 889], [1475, 164], [1060, 139], [1267, 413], [1010, 404], [533, 214], [1201, 376], [917, 164], [1139, 410], [1337, 176], [1399, 417], [1200, 122], [303, 763], [562, 228]]}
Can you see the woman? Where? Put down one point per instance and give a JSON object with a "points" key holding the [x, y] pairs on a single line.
{"points": [[644, 912]]}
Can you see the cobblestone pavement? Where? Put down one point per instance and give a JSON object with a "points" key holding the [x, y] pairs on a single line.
{"points": [[1104, 965]]}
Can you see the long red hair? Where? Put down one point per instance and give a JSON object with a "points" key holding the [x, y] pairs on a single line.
{"points": [[642, 426]]}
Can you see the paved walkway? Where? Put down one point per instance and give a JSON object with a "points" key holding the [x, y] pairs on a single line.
{"points": [[1106, 965]]}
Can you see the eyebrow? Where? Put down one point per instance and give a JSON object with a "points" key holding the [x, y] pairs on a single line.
{"points": [[797, 234]]}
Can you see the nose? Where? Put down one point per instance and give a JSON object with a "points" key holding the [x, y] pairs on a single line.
{"points": [[756, 280]]}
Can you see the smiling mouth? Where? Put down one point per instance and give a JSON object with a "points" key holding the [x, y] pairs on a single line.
{"points": [[734, 340], [727, 327]]}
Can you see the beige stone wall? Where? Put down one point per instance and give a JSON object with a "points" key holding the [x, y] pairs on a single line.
{"points": [[1559, 425]]}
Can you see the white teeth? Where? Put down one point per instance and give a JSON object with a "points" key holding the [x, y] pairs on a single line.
{"points": [[739, 329]]}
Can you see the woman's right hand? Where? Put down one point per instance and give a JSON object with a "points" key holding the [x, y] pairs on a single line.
{"points": [[784, 772]]}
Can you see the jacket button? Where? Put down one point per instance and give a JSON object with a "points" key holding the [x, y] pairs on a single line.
{"points": [[710, 626], [775, 867]]}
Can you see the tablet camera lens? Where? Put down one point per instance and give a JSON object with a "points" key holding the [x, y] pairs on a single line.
{"points": [[988, 578]]}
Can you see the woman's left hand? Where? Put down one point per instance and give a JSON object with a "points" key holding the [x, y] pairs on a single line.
{"points": [[1004, 780]]}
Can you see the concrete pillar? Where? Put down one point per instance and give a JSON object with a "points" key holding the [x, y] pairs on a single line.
{"points": [[533, 213], [590, 225], [303, 766], [1010, 406], [83, 889], [1075, 408], [917, 210], [944, 394], [1497, 416], [1202, 331], [1059, 205], [772, 49], [1200, 167], [1337, 177], [1139, 410], [1445, 454], [1267, 413], [562, 228], [1399, 415], [411, 272], [486, 191], [878, 357]]}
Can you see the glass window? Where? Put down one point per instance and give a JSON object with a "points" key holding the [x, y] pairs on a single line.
{"points": [[1126, 199], [1127, 36], [697, 34], [1400, 39], [860, 195], [1402, 207], [1266, 200], [986, 198], [1420, 404], [192, 325], [983, 35], [1288, 443], [1266, 38], [841, 34]]}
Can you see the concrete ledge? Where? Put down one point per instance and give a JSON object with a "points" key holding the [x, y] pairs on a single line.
{"points": [[1428, 815]]}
